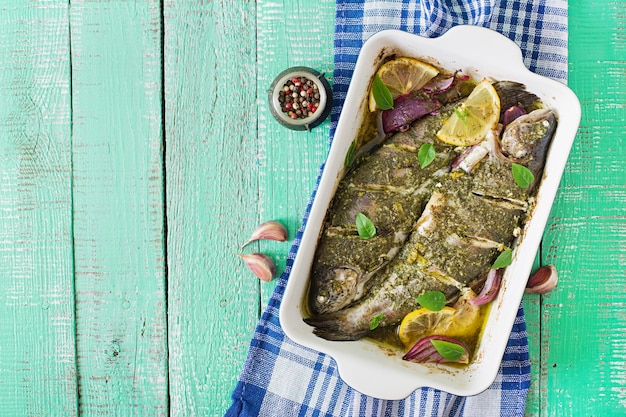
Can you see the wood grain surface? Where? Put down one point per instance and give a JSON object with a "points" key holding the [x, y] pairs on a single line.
{"points": [[118, 211], [37, 340], [212, 194], [582, 335], [137, 154], [289, 160]]}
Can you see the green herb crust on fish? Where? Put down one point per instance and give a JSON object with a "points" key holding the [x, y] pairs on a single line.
{"points": [[391, 189], [438, 228]]}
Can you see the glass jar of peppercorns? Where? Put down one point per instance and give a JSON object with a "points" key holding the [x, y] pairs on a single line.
{"points": [[300, 98]]}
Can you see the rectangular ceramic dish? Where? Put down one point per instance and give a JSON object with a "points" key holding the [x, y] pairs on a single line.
{"points": [[481, 53]]}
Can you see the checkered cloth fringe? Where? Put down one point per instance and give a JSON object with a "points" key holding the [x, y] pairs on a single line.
{"points": [[281, 378]]}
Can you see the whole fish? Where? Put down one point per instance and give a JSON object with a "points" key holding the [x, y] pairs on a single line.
{"points": [[391, 189], [468, 220]]}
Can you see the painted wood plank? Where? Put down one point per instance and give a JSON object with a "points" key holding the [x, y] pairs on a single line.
{"points": [[37, 358], [118, 208], [532, 314], [212, 163], [585, 236], [289, 34], [583, 371]]}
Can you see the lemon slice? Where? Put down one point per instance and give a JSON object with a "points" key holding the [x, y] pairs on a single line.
{"points": [[467, 319], [423, 322], [403, 75], [471, 121]]}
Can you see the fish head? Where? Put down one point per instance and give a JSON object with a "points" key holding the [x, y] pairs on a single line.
{"points": [[528, 135], [336, 290]]}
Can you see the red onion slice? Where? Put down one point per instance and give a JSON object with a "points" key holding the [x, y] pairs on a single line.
{"points": [[490, 289], [511, 114], [406, 110], [424, 351], [469, 158], [455, 164], [441, 85]]}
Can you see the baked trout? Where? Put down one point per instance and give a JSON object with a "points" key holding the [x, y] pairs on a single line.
{"points": [[469, 218], [389, 187]]}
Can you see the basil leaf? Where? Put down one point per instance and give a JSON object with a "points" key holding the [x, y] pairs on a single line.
{"points": [[503, 260], [448, 350], [376, 321], [522, 175], [349, 155], [462, 114], [381, 93], [364, 226], [432, 300], [426, 155]]}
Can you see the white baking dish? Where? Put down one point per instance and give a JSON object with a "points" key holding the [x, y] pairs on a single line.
{"points": [[363, 365]]}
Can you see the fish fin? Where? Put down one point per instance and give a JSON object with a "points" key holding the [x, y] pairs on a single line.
{"points": [[331, 327], [514, 94]]}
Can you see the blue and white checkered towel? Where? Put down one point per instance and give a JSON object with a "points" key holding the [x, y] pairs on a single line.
{"points": [[281, 378]]}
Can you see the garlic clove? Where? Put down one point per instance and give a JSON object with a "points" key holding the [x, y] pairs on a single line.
{"points": [[261, 265], [271, 230], [543, 280]]}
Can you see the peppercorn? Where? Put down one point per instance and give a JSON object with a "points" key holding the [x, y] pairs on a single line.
{"points": [[299, 97]]}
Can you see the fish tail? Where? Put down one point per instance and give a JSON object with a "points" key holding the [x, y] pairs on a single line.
{"points": [[334, 327], [514, 94]]}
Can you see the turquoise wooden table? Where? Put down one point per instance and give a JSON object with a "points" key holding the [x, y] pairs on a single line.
{"points": [[137, 153]]}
